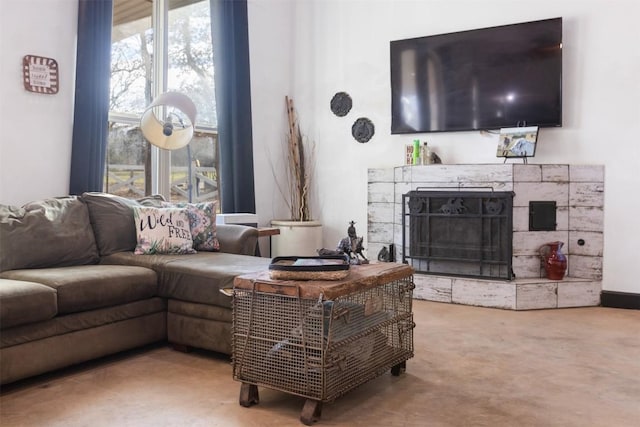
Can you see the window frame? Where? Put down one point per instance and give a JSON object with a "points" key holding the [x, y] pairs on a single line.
{"points": [[160, 160]]}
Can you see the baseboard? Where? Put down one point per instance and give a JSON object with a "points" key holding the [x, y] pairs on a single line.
{"points": [[620, 300]]}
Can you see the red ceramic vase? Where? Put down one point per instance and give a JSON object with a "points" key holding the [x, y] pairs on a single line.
{"points": [[555, 262]]}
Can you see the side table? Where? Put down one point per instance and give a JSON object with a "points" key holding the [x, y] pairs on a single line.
{"points": [[266, 232], [321, 339]]}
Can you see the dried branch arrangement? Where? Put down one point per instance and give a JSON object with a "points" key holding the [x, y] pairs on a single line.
{"points": [[299, 167]]}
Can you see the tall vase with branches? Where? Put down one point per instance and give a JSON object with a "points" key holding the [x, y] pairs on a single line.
{"points": [[299, 161], [300, 235]]}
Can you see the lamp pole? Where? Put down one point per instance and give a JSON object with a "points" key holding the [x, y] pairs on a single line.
{"points": [[160, 159]]}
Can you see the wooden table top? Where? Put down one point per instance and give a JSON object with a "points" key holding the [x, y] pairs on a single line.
{"points": [[268, 231], [361, 277]]}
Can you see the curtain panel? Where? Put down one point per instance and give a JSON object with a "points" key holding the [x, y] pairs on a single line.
{"points": [[230, 33], [91, 109]]}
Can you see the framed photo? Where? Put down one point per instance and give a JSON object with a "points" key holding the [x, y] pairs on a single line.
{"points": [[40, 74], [518, 142]]}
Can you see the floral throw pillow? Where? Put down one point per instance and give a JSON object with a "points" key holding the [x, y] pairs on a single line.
{"points": [[162, 231], [202, 219]]}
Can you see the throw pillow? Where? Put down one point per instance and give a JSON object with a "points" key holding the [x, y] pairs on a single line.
{"points": [[202, 221], [162, 231]]}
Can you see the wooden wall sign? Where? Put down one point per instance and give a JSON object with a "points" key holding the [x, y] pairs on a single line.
{"points": [[40, 74]]}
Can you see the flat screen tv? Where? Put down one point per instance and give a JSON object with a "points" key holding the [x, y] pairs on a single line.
{"points": [[489, 78]]}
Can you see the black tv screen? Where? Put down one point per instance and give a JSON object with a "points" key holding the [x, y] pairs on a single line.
{"points": [[489, 78]]}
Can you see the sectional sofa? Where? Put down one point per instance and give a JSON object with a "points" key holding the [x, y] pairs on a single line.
{"points": [[72, 287]]}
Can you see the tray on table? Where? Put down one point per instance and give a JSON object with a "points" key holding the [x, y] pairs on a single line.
{"points": [[330, 267]]}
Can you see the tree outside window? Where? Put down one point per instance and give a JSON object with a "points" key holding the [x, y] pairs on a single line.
{"points": [[188, 69]]}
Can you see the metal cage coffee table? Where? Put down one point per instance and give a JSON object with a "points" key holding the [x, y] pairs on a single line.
{"points": [[321, 339]]}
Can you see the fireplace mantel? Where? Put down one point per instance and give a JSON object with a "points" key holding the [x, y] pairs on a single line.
{"points": [[578, 192]]}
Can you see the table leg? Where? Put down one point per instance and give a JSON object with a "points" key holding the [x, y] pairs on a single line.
{"points": [[399, 368], [249, 395], [311, 412]]}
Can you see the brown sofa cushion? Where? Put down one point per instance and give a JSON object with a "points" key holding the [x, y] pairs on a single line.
{"points": [[53, 232], [112, 220], [25, 302], [195, 278], [74, 322], [83, 288]]}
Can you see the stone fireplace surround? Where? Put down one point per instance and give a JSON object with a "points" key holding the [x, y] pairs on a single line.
{"points": [[578, 191]]}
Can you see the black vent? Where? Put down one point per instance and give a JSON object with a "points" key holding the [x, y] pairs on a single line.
{"points": [[459, 233], [542, 216]]}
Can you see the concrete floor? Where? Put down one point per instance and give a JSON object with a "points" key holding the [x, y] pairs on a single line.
{"points": [[472, 367]]}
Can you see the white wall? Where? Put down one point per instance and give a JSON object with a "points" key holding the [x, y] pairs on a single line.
{"points": [[343, 45], [270, 35], [312, 49], [35, 149]]}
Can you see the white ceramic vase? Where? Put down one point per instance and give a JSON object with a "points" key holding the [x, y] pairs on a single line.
{"points": [[296, 238]]}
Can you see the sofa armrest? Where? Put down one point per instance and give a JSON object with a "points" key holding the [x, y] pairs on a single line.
{"points": [[237, 239]]}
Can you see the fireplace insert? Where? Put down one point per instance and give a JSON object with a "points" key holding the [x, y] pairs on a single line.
{"points": [[458, 233]]}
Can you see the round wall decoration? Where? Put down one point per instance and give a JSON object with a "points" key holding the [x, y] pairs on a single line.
{"points": [[341, 104], [362, 129]]}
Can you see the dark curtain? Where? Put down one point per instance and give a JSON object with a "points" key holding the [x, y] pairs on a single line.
{"points": [[90, 119], [230, 33]]}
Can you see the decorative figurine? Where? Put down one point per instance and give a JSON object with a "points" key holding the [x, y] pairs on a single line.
{"points": [[387, 255], [350, 245], [383, 255]]}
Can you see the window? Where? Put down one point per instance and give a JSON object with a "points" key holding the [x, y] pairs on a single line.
{"points": [[185, 63]]}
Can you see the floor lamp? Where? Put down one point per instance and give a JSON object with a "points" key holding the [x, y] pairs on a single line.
{"points": [[168, 123]]}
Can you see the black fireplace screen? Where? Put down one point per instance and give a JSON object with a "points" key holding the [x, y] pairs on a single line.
{"points": [[458, 233]]}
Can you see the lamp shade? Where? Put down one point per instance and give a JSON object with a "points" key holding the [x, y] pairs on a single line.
{"points": [[169, 121]]}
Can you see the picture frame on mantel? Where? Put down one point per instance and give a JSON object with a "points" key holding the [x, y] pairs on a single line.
{"points": [[517, 142]]}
